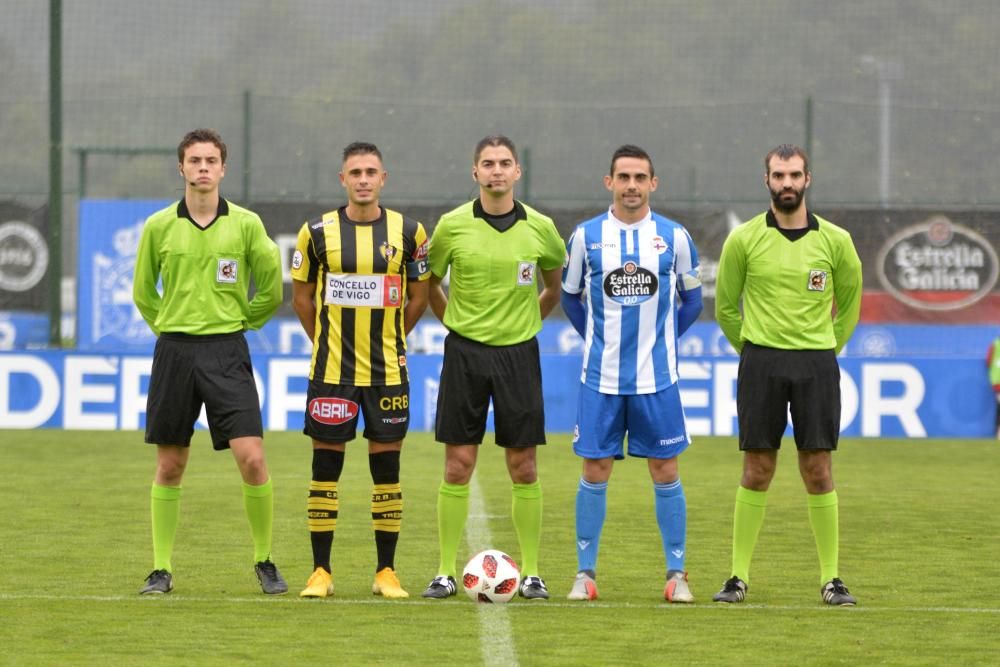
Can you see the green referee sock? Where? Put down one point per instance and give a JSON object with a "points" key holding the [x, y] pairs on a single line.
{"points": [[452, 510], [526, 512], [165, 509], [748, 517], [824, 517], [259, 504]]}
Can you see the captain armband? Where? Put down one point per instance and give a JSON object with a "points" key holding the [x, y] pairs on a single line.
{"points": [[690, 280]]}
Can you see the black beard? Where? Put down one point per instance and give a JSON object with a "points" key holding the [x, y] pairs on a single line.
{"points": [[784, 206]]}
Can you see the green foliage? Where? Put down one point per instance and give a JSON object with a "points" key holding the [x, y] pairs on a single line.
{"points": [[918, 547]]}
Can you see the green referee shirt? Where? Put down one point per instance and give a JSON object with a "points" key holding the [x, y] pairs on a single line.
{"points": [[789, 288], [206, 272], [493, 293]]}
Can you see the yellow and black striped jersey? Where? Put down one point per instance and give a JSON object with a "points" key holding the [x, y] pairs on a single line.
{"points": [[360, 270]]}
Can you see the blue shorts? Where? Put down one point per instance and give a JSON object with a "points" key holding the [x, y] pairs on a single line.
{"points": [[654, 424]]}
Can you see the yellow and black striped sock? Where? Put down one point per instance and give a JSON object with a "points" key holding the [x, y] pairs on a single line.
{"points": [[323, 503], [387, 516], [322, 507], [387, 505]]}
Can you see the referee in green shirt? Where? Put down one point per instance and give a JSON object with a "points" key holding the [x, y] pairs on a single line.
{"points": [[792, 268], [204, 249], [495, 247]]}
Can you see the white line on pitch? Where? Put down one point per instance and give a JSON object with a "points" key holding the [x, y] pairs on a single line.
{"points": [[180, 598], [493, 618]]}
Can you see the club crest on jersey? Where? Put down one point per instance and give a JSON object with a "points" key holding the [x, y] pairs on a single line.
{"points": [[388, 251], [526, 273], [817, 281], [226, 272], [659, 245]]}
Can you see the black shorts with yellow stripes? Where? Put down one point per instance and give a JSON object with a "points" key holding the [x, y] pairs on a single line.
{"points": [[332, 412]]}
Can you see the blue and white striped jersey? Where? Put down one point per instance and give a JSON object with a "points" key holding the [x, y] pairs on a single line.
{"points": [[630, 275]]}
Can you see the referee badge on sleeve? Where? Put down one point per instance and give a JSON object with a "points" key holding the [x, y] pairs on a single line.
{"points": [[227, 271], [817, 281]]}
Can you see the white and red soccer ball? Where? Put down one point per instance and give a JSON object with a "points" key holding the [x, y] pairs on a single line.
{"points": [[491, 576]]}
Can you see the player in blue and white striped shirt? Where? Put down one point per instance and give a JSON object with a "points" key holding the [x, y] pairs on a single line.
{"points": [[630, 287]]}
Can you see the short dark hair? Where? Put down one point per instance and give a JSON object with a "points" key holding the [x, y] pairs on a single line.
{"points": [[201, 136], [361, 148], [785, 152], [494, 140], [631, 150]]}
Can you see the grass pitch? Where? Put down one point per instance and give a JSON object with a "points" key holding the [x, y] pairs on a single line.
{"points": [[919, 546]]}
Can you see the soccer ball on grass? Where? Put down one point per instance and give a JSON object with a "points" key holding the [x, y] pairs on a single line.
{"points": [[491, 576]]}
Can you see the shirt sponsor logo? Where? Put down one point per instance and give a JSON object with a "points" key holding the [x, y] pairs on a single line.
{"points": [[297, 259], [817, 281], [332, 411], [630, 284], [227, 271], [358, 290], [938, 265], [526, 273], [24, 256], [421, 252]]}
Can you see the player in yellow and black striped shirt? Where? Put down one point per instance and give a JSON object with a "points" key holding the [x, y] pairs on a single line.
{"points": [[360, 285]]}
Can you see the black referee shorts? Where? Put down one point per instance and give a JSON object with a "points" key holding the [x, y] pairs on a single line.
{"points": [[473, 373], [772, 382], [189, 371]]}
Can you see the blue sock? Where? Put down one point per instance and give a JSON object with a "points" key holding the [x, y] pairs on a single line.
{"points": [[591, 507], [671, 516]]}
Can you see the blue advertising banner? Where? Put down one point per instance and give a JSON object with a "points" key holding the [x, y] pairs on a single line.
{"points": [[893, 397], [23, 329], [107, 319]]}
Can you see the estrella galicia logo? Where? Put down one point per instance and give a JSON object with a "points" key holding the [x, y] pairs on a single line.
{"points": [[630, 284], [24, 256], [938, 265]]}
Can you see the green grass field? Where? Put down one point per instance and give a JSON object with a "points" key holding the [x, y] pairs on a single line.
{"points": [[919, 547]]}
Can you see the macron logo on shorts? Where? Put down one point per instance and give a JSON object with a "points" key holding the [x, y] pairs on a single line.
{"points": [[332, 411]]}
